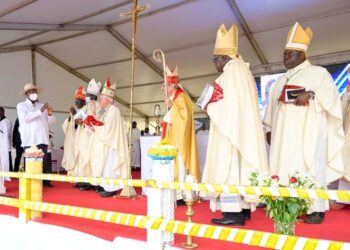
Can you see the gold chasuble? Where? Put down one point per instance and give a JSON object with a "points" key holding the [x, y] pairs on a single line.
{"points": [[180, 133], [236, 144]]}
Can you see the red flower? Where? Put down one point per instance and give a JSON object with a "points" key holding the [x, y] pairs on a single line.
{"points": [[293, 180], [275, 177]]}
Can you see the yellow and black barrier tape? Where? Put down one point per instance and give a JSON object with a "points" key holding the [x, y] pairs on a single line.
{"points": [[340, 195], [248, 237]]}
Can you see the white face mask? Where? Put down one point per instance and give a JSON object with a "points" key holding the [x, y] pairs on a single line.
{"points": [[33, 97], [87, 99]]}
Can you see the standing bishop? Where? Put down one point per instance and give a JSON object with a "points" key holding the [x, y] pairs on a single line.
{"points": [[84, 133], [178, 129], [305, 118], [109, 146], [236, 139], [69, 128]]}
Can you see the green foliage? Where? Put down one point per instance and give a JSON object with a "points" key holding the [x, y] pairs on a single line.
{"points": [[285, 210]]}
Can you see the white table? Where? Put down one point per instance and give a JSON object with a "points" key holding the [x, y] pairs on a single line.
{"points": [[56, 160], [146, 162]]}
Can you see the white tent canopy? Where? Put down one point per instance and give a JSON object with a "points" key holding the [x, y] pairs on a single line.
{"points": [[61, 44]]}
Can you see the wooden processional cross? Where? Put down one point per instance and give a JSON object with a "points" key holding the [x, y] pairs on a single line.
{"points": [[129, 191]]}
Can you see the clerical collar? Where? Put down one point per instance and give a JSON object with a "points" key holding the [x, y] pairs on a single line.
{"points": [[302, 65], [236, 59]]}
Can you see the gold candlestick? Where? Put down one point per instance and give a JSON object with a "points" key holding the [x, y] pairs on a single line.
{"points": [[189, 244], [157, 112]]}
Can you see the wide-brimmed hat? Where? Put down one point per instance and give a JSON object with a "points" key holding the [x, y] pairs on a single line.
{"points": [[30, 86]]}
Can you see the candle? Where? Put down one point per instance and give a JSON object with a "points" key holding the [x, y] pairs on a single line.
{"points": [[189, 194]]}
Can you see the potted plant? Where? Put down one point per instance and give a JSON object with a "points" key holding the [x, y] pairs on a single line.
{"points": [[284, 211]]}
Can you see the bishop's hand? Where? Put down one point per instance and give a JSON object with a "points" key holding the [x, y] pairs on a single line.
{"points": [[78, 121], [44, 107], [168, 103], [302, 99], [73, 111]]}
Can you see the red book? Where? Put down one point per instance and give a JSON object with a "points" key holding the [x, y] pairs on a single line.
{"points": [[92, 121], [210, 94], [290, 93]]}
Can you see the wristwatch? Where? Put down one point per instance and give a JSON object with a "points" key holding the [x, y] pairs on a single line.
{"points": [[312, 94]]}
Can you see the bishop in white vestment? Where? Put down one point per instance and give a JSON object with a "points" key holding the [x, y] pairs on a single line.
{"points": [[236, 140], [69, 128], [108, 147], [305, 118]]}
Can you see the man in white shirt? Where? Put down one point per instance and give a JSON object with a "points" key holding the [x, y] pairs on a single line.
{"points": [[146, 132], [136, 150], [34, 121], [6, 127]]}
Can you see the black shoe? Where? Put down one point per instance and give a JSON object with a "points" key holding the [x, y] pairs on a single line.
{"points": [[79, 184], [48, 184], [180, 203], [99, 189], [108, 194], [246, 213], [315, 218], [86, 187], [261, 205], [230, 219]]}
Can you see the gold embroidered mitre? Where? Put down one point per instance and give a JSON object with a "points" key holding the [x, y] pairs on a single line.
{"points": [[226, 41], [109, 89], [298, 38]]}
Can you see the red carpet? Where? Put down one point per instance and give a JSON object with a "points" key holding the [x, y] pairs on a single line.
{"points": [[335, 226]]}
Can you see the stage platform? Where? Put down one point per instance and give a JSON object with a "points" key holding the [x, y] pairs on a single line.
{"points": [[335, 226]]}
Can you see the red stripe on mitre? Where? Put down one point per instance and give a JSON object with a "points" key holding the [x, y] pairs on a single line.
{"points": [[172, 79]]}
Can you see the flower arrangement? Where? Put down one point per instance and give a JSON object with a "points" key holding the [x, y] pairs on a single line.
{"points": [[33, 152], [284, 211], [162, 151]]}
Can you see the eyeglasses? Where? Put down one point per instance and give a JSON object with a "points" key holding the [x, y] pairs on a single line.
{"points": [[215, 58], [290, 54]]}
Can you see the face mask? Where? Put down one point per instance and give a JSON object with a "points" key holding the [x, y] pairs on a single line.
{"points": [[33, 97], [88, 100]]}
